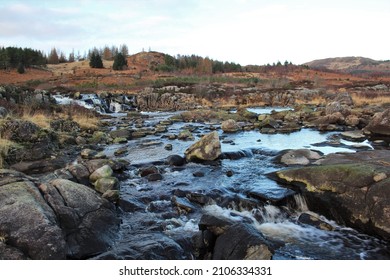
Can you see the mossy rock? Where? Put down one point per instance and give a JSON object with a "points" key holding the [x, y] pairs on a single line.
{"points": [[336, 178]]}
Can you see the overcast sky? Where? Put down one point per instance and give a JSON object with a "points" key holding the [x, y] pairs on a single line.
{"points": [[242, 31]]}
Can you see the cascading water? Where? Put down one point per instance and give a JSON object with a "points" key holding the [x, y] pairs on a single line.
{"points": [[245, 195]]}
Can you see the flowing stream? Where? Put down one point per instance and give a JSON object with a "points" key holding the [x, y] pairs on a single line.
{"points": [[239, 189]]}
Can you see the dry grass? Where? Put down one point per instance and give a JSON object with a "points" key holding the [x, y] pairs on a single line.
{"points": [[85, 118], [5, 146], [86, 121], [318, 100], [39, 119], [360, 100]]}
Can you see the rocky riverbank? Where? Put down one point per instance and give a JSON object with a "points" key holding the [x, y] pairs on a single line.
{"points": [[141, 186]]}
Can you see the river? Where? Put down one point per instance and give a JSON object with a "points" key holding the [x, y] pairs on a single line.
{"points": [[236, 189]]}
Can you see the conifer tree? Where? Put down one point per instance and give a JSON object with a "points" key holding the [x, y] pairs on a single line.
{"points": [[95, 60], [120, 62]]}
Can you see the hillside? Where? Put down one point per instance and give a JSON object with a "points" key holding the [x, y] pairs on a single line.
{"points": [[352, 65]]}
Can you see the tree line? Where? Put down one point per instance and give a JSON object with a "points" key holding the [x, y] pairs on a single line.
{"points": [[13, 57], [197, 64]]}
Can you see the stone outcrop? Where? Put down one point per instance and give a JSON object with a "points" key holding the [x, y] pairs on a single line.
{"points": [[28, 223], [349, 188], [57, 219], [222, 238]]}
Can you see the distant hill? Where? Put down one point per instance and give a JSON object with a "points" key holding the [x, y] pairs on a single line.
{"points": [[352, 65]]}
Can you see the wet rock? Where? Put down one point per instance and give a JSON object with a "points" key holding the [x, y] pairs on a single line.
{"points": [[103, 172], [185, 135], [242, 242], [347, 188], [160, 128], [207, 148], [121, 151], [146, 246], [298, 157], [355, 136], [154, 177], [268, 122], [217, 224], [245, 113], [203, 244], [230, 126], [183, 204], [138, 134], [121, 133], [198, 173], [88, 221], [119, 140], [168, 147], [268, 130], [105, 184], [379, 124], [175, 160], [199, 198], [229, 173], [289, 127], [315, 221], [131, 204], [147, 170], [28, 223]]}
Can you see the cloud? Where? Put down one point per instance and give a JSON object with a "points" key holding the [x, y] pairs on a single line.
{"points": [[244, 31]]}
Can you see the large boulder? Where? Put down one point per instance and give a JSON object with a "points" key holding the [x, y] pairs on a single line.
{"points": [[28, 224], [379, 124], [88, 221], [207, 148], [352, 189], [56, 220], [242, 242]]}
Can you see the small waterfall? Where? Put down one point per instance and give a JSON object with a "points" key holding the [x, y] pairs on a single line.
{"points": [[115, 107], [269, 214], [300, 202]]}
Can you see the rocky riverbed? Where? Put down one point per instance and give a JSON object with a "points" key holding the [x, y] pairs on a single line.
{"points": [[304, 182]]}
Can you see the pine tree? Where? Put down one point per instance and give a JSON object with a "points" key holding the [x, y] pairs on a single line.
{"points": [[95, 60], [21, 69], [120, 62]]}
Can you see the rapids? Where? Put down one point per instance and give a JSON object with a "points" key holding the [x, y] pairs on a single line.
{"points": [[237, 189]]}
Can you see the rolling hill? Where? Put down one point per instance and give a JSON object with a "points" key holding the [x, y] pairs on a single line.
{"points": [[351, 65]]}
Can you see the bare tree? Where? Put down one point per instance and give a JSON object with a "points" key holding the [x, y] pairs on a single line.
{"points": [[53, 57]]}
